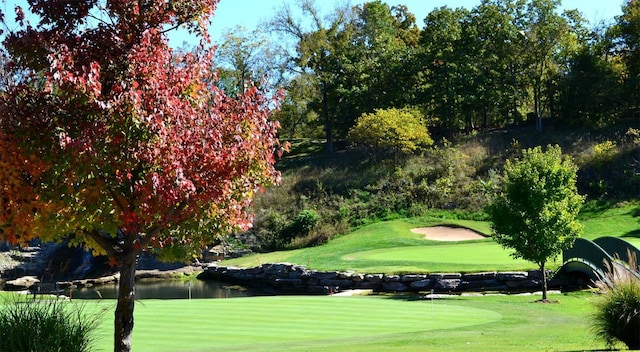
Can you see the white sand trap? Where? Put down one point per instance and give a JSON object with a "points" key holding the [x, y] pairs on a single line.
{"points": [[447, 233]]}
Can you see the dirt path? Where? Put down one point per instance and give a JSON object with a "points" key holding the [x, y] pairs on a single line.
{"points": [[447, 233]]}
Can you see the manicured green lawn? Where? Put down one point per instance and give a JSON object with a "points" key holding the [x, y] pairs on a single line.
{"points": [[391, 247], [351, 324], [386, 323], [459, 257], [394, 323], [618, 221]]}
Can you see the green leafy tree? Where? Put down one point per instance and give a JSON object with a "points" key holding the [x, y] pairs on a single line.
{"points": [[439, 81], [296, 115], [489, 65], [590, 82], [489, 40], [473, 66], [320, 43], [626, 41], [543, 29], [385, 39], [397, 130], [244, 58], [534, 211], [361, 58], [592, 93]]}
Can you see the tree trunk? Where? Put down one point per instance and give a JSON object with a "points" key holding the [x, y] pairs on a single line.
{"points": [[126, 299], [328, 123], [537, 101], [485, 118], [537, 109], [544, 281]]}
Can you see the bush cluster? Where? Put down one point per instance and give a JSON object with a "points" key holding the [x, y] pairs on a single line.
{"points": [[46, 326], [617, 314], [393, 131]]}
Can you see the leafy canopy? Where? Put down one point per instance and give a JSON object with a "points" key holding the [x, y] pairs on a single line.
{"points": [[398, 130], [110, 136], [534, 212]]}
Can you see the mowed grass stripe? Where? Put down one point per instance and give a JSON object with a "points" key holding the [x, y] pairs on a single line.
{"points": [[391, 247], [455, 256], [212, 324]]}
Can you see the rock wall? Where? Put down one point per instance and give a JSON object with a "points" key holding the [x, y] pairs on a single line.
{"points": [[290, 278], [31, 282]]}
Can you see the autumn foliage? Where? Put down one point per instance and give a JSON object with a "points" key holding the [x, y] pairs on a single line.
{"points": [[117, 130], [116, 141], [396, 130], [20, 206]]}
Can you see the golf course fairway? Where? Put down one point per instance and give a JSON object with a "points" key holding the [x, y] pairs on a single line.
{"points": [[283, 322], [454, 257]]}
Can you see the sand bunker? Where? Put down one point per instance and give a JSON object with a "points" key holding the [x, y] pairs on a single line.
{"points": [[447, 233]]}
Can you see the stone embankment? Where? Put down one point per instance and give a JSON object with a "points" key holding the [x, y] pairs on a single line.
{"points": [[290, 278], [29, 282]]}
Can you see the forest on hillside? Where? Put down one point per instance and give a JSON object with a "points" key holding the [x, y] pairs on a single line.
{"points": [[485, 82], [501, 63]]}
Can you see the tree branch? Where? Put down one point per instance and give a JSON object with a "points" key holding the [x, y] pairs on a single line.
{"points": [[123, 207], [149, 234], [104, 242], [172, 28]]}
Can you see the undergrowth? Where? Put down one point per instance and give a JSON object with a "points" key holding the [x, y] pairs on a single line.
{"points": [[49, 325], [352, 188]]}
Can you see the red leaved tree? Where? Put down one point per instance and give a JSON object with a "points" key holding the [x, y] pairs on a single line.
{"points": [[110, 138]]}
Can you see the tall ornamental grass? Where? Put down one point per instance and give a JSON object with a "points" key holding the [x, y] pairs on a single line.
{"points": [[617, 315], [46, 326]]}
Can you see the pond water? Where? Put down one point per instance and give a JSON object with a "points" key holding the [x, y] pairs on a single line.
{"points": [[167, 289]]}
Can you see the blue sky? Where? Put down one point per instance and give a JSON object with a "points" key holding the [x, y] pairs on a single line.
{"points": [[251, 13]]}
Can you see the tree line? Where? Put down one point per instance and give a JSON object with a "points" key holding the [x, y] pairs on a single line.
{"points": [[501, 63]]}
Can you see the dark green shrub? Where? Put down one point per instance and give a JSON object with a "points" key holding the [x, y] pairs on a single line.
{"points": [[617, 315], [46, 326], [304, 222]]}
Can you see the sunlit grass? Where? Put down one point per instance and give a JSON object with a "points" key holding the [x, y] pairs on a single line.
{"points": [[615, 220], [381, 323], [391, 247], [458, 257]]}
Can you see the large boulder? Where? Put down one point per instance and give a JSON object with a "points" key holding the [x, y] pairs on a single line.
{"points": [[21, 283], [446, 285], [394, 286]]}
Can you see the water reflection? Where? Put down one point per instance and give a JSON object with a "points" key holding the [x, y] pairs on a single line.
{"points": [[167, 289]]}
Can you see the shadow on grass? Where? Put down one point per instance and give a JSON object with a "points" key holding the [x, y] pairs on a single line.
{"points": [[634, 233], [413, 297], [592, 209], [594, 350]]}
